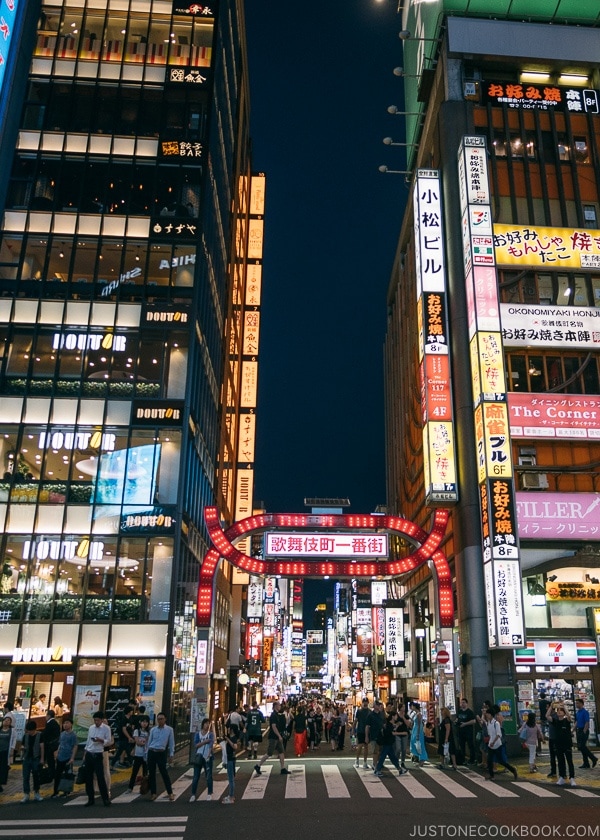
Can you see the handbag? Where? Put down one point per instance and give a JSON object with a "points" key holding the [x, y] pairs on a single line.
{"points": [[523, 735], [66, 782], [144, 785], [81, 777]]}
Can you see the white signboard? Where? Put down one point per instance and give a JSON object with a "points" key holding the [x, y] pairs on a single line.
{"points": [[255, 600], [314, 637], [279, 544], [394, 635], [509, 614], [378, 591], [538, 325]]}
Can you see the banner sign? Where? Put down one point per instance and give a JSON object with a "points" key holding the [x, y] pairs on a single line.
{"points": [[547, 247], [279, 544], [540, 97], [557, 516], [500, 542], [557, 653], [564, 416], [535, 325]]}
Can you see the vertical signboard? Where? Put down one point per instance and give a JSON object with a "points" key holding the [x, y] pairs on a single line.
{"points": [[249, 321], [439, 459], [500, 543]]}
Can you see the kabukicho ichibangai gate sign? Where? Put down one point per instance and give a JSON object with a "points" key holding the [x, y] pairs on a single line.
{"points": [[326, 545]]}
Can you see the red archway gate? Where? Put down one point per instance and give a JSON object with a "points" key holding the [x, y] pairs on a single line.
{"points": [[428, 549]]}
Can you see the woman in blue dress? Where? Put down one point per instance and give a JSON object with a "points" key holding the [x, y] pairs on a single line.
{"points": [[417, 735]]}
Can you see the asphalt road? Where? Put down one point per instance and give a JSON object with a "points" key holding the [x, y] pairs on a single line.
{"points": [[324, 797]]}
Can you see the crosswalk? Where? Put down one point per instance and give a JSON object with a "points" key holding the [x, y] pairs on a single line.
{"points": [[341, 780], [169, 828]]}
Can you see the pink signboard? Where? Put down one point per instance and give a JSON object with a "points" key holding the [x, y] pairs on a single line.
{"points": [[558, 516], [566, 416]]}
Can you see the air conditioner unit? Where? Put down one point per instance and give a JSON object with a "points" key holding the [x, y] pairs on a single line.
{"points": [[534, 481]]}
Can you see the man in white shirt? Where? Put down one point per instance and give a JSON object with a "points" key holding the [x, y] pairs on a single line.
{"points": [[99, 736], [161, 748]]}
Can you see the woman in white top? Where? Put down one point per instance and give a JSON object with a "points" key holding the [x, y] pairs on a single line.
{"points": [[140, 751], [496, 752]]}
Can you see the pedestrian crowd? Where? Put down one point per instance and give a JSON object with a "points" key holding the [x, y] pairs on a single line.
{"points": [[398, 732]]}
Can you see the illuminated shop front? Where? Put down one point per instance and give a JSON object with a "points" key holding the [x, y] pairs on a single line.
{"points": [[115, 302]]}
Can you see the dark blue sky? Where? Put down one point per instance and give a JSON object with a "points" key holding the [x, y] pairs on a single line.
{"points": [[321, 80]]}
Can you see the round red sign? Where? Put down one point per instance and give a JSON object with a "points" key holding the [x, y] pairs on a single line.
{"points": [[443, 657]]}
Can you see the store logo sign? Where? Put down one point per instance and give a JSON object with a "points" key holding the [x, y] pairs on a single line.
{"points": [[42, 655], [83, 341], [77, 440], [62, 550]]}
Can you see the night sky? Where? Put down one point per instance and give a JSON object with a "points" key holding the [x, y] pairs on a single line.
{"points": [[321, 81]]}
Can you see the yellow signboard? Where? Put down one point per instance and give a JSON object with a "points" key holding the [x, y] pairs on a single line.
{"points": [[549, 248]]}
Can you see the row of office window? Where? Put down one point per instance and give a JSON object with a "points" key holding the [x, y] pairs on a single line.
{"points": [[538, 372], [551, 288], [110, 264], [555, 148], [95, 32]]}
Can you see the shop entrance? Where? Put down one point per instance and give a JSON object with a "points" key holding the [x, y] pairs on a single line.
{"points": [[37, 689]]}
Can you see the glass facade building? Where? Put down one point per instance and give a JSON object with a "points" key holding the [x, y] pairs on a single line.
{"points": [[123, 249]]}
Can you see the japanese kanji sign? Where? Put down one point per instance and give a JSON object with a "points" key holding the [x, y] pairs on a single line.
{"points": [[547, 247], [394, 635], [500, 543], [439, 459], [546, 97], [532, 325], [562, 416], [326, 545]]}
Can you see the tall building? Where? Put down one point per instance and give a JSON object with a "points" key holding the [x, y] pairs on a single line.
{"points": [[130, 214], [492, 346]]}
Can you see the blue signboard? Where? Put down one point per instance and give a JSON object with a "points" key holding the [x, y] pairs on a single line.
{"points": [[8, 13]]}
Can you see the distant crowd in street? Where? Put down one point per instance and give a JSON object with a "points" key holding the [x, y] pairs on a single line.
{"points": [[398, 731]]}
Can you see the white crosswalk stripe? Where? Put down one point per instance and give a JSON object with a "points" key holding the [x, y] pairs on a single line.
{"points": [[172, 828], [295, 787], [492, 787], [583, 793], [339, 781], [442, 777], [219, 788], [415, 788], [336, 786], [537, 790], [257, 785], [373, 784]]}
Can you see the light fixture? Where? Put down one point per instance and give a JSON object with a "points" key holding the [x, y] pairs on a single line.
{"points": [[384, 168], [399, 71], [389, 142], [406, 35], [572, 79], [534, 76], [567, 291], [393, 109], [137, 257]]}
